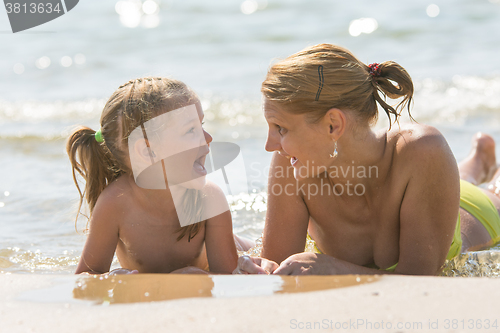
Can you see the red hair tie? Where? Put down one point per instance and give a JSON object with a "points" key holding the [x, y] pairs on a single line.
{"points": [[374, 69]]}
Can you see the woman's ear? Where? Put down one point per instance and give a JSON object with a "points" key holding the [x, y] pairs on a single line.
{"points": [[336, 121]]}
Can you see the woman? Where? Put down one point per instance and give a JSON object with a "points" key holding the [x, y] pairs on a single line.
{"points": [[374, 202]]}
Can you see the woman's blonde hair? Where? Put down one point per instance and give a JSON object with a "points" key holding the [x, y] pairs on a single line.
{"points": [[130, 106], [326, 76]]}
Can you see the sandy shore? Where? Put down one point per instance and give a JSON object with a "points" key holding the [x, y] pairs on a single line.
{"points": [[46, 303]]}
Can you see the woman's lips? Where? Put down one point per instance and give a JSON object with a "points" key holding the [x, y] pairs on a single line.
{"points": [[293, 159]]}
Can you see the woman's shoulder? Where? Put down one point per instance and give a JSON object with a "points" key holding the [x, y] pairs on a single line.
{"points": [[416, 139], [420, 149]]}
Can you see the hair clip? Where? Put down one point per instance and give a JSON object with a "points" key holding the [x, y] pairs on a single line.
{"points": [[321, 81]]}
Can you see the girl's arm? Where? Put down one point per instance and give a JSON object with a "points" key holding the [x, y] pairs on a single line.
{"points": [[219, 240], [102, 238]]}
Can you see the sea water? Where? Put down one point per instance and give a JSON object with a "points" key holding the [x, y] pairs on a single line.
{"points": [[60, 74]]}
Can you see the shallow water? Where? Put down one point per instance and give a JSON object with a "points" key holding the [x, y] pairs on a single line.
{"points": [[136, 288], [474, 264], [160, 287], [223, 54]]}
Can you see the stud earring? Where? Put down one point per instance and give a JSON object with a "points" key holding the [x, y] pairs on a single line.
{"points": [[335, 152]]}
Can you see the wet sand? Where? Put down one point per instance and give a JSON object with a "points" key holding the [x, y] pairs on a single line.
{"points": [[47, 303]]}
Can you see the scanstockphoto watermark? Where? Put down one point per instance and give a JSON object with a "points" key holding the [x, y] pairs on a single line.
{"points": [[335, 180], [476, 324], [354, 324]]}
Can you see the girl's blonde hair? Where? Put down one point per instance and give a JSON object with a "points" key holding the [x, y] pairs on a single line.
{"points": [[130, 106], [326, 76]]}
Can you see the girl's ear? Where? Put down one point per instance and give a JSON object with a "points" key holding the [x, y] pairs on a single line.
{"points": [[142, 151], [335, 121]]}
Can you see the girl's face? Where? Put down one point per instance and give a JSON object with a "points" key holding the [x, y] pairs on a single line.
{"points": [[197, 143], [306, 145], [173, 151], [185, 146]]}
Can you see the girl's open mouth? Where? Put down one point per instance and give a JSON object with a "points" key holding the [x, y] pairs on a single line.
{"points": [[293, 160], [199, 165]]}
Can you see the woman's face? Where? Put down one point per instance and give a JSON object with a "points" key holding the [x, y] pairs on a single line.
{"points": [[306, 145]]}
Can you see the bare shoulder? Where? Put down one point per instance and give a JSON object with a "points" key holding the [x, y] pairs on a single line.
{"points": [[214, 200], [421, 152], [212, 191], [114, 201], [415, 138], [419, 145]]}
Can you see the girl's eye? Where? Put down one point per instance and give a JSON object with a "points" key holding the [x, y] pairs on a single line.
{"points": [[281, 130], [194, 129]]}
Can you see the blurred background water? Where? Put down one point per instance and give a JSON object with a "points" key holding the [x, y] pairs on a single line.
{"points": [[60, 74]]}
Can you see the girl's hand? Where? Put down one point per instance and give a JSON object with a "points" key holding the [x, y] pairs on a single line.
{"points": [[255, 265], [123, 271]]}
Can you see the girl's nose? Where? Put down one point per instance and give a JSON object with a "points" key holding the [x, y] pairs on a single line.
{"points": [[208, 137]]}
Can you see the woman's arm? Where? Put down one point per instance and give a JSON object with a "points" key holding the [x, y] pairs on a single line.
{"points": [[309, 263], [430, 205], [219, 241], [287, 216], [102, 239]]}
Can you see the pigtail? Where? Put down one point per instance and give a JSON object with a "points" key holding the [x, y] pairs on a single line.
{"points": [[90, 160], [393, 81]]}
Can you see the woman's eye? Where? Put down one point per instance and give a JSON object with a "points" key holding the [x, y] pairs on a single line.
{"points": [[281, 130], [191, 130]]}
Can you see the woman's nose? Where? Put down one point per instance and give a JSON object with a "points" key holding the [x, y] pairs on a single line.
{"points": [[272, 143]]}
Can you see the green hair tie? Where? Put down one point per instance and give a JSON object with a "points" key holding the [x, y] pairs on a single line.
{"points": [[98, 136]]}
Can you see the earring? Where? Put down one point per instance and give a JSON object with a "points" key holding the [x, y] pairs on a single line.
{"points": [[335, 152]]}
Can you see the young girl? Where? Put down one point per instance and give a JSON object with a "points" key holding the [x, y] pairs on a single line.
{"points": [[158, 218]]}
